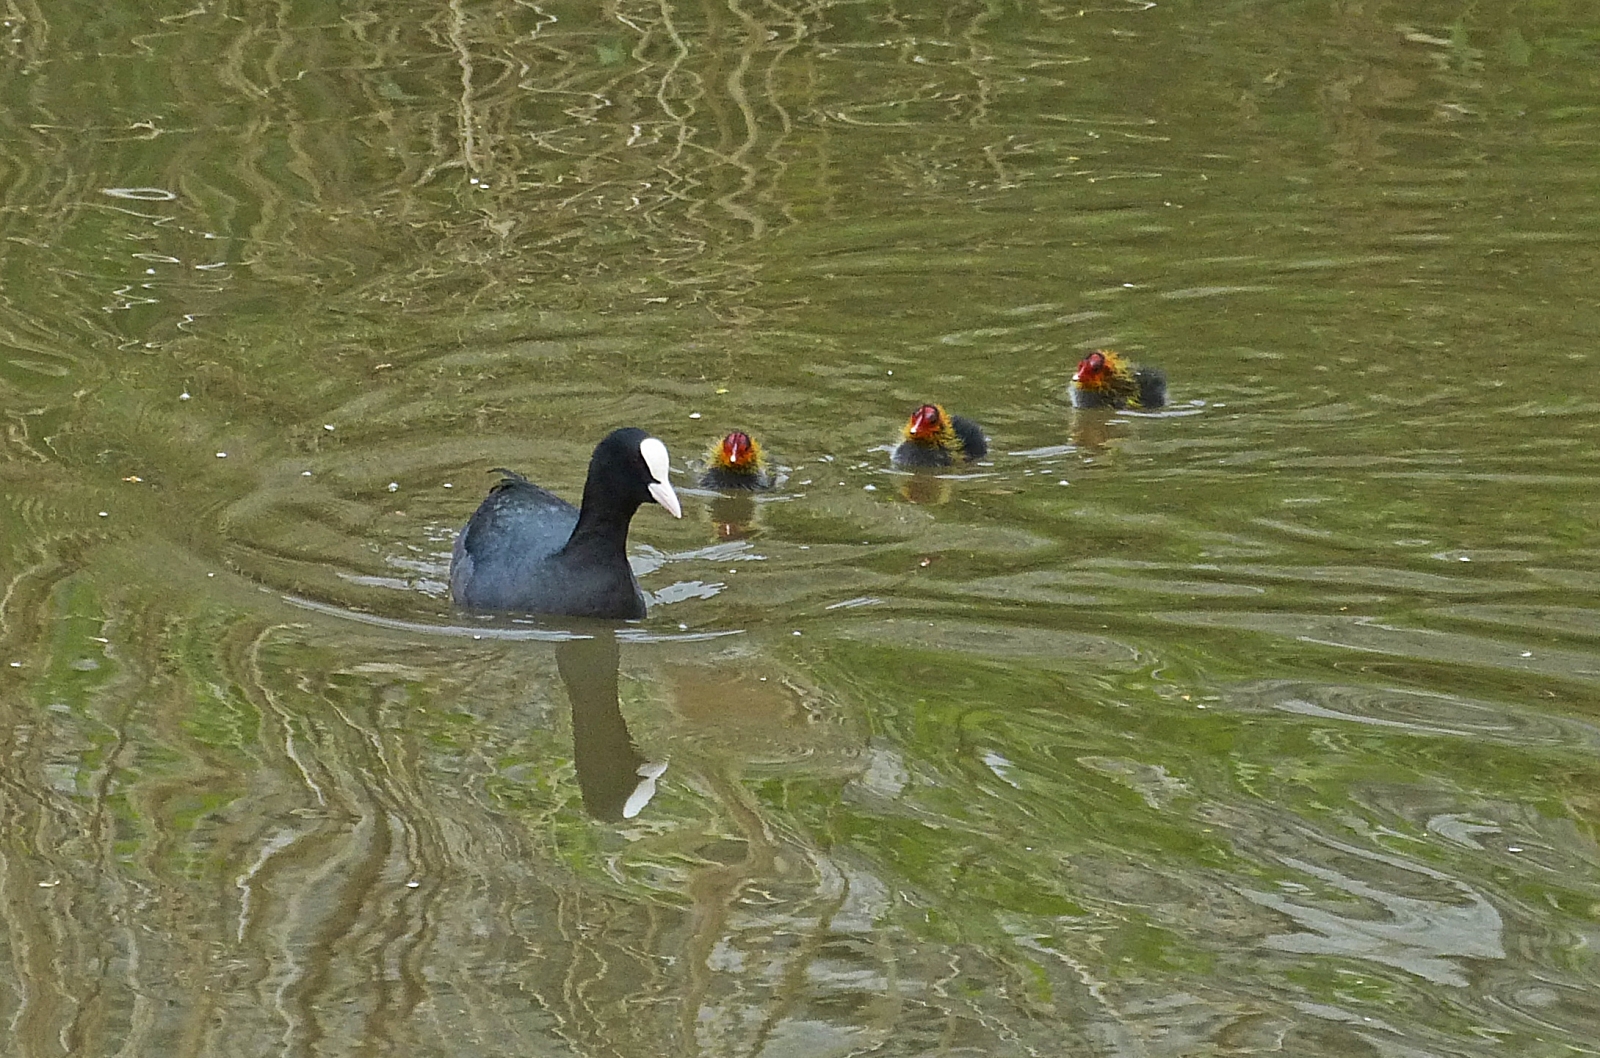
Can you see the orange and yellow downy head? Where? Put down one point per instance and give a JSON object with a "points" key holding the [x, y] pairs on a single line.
{"points": [[1100, 371], [737, 452], [930, 425]]}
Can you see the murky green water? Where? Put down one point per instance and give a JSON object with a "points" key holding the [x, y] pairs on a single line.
{"points": [[1263, 724]]}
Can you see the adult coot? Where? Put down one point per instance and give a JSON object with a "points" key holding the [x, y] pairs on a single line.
{"points": [[736, 462], [525, 549], [932, 437], [1105, 380]]}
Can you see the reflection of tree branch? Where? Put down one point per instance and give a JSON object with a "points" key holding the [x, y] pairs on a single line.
{"points": [[755, 40], [980, 60], [714, 891], [774, 97], [680, 54], [795, 973]]}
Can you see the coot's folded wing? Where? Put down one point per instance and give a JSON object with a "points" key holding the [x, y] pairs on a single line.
{"points": [[517, 525]]}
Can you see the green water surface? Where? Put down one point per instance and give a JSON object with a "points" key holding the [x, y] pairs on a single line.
{"points": [[1263, 724]]}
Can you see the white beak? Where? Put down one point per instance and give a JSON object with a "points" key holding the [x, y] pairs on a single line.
{"points": [[655, 458], [648, 773], [662, 493]]}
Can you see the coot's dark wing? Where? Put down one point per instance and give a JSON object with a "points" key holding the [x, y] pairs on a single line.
{"points": [[973, 443], [516, 527]]}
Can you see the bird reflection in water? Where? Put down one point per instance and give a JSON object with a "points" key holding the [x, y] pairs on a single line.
{"points": [[615, 779], [925, 488], [733, 517], [1094, 430]]}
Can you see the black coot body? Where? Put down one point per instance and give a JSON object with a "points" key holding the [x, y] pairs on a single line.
{"points": [[528, 550]]}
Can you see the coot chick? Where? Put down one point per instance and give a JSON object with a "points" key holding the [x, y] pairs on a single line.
{"points": [[736, 462], [528, 550], [1105, 380], [935, 438]]}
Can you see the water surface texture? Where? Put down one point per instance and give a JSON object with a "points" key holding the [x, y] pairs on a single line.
{"points": [[1263, 724]]}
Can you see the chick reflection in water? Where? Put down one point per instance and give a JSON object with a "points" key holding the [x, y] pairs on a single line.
{"points": [[615, 779], [925, 488], [1093, 431], [733, 517]]}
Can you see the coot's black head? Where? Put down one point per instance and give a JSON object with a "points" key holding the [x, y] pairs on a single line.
{"points": [[628, 468]]}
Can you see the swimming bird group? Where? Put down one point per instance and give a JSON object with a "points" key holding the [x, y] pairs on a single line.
{"points": [[527, 550]]}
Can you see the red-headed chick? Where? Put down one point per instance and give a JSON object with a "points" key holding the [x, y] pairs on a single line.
{"points": [[935, 438], [735, 462], [1105, 380]]}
